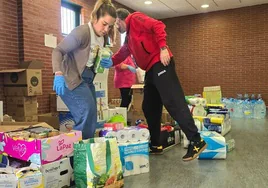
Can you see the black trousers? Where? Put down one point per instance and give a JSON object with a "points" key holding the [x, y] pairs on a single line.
{"points": [[126, 97], [162, 87]]}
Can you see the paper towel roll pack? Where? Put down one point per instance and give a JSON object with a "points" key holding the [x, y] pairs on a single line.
{"points": [[197, 110], [197, 101], [216, 148], [134, 157], [130, 134]]}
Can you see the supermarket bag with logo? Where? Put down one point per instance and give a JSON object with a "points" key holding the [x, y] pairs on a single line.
{"points": [[97, 163]]}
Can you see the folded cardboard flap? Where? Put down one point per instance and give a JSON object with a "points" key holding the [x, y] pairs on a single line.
{"points": [[34, 64], [12, 126], [12, 70]]}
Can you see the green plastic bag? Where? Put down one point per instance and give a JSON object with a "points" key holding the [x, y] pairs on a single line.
{"points": [[118, 118], [97, 163]]}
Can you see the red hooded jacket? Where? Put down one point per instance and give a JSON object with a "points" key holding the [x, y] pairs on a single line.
{"points": [[145, 37]]}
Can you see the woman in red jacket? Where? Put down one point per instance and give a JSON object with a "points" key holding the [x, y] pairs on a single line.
{"points": [[124, 78], [146, 41]]}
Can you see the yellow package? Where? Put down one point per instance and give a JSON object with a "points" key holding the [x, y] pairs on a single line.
{"points": [[30, 178]]}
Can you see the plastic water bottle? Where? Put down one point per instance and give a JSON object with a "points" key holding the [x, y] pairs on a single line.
{"points": [[246, 97], [252, 97], [230, 145], [229, 103], [263, 110], [248, 109], [239, 96], [257, 109], [238, 109], [260, 109]]}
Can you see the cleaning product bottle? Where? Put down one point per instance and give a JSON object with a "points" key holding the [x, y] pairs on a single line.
{"points": [[103, 53]]}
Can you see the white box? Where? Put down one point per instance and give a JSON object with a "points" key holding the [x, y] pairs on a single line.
{"points": [[51, 173], [61, 106], [66, 121], [66, 173], [102, 115], [118, 110], [134, 158], [101, 87], [8, 178]]}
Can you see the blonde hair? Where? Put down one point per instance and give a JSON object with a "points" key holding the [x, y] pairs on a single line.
{"points": [[101, 8]]}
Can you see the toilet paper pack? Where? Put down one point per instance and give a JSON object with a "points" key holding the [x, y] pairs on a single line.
{"points": [[216, 145], [134, 157]]}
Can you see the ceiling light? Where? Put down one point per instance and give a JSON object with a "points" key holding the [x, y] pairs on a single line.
{"points": [[148, 2], [205, 6]]}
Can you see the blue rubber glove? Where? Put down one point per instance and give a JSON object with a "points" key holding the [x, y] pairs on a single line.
{"points": [[59, 84], [106, 63], [132, 69]]}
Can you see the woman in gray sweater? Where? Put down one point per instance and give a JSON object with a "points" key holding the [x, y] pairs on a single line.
{"points": [[73, 63]]}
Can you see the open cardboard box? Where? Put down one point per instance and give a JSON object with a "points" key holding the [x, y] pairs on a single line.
{"points": [[24, 81], [38, 151]]}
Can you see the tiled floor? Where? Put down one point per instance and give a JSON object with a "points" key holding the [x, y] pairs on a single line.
{"points": [[246, 166]]}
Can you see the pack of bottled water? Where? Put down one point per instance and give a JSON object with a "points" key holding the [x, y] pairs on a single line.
{"points": [[246, 107]]}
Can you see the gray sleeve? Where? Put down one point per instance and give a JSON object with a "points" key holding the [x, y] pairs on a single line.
{"points": [[70, 43]]}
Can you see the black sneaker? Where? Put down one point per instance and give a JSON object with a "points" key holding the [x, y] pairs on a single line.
{"points": [[157, 150], [194, 149]]}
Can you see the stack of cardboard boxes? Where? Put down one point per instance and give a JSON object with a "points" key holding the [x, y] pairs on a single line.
{"points": [[21, 86], [47, 160]]}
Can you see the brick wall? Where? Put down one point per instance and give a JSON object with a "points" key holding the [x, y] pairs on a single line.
{"points": [[9, 53], [227, 48], [33, 19]]}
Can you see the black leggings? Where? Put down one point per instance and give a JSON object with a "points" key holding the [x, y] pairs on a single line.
{"points": [[126, 97]]}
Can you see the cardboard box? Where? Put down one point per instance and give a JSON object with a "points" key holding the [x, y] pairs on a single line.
{"points": [[102, 115], [21, 100], [53, 102], [66, 173], [117, 111], [50, 118], [51, 174], [22, 82], [38, 151], [166, 118], [101, 94], [33, 118], [167, 138], [137, 92], [33, 64], [21, 106], [61, 106], [212, 94], [7, 178], [58, 174]]}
